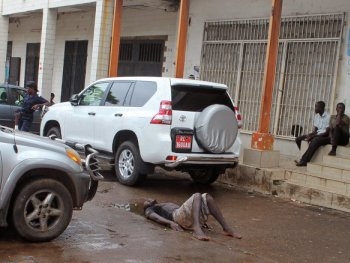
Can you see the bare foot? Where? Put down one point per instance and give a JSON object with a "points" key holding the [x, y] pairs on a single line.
{"points": [[201, 236], [230, 233]]}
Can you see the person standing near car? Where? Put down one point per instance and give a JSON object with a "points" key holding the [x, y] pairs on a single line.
{"points": [[31, 102]]}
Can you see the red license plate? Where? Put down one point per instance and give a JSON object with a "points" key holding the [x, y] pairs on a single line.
{"points": [[183, 142]]}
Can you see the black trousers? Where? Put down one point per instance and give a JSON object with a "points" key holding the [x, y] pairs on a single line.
{"points": [[299, 139], [339, 137], [314, 144]]}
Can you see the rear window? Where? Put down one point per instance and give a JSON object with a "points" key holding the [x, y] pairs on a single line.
{"points": [[190, 98]]}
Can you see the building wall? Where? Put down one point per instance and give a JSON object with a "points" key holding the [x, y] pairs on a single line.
{"points": [[201, 11], [19, 6], [147, 22], [70, 27], [22, 31], [153, 22]]}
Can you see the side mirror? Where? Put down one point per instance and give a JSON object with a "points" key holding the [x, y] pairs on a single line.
{"points": [[74, 99]]}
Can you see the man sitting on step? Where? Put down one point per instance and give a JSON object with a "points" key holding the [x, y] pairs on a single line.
{"points": [[321, 122], [339, 128]]}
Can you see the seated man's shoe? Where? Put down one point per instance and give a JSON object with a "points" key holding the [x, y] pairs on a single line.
{"points": [[300, 163], [332, 153]]}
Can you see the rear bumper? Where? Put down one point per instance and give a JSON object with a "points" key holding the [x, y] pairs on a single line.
{"points": [[183, 160]]}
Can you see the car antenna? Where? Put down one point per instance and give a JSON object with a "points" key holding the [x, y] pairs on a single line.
{"points": [[15, 148]]}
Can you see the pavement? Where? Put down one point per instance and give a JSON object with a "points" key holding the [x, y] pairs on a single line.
{"points": [[111, 228]]}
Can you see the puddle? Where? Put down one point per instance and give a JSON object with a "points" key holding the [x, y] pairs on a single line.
{"points": [[136, 208]]}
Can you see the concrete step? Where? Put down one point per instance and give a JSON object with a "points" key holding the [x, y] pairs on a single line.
{"points": [[342, 151], [334, 172], [314, 196], [341, 162], [319, 181]]}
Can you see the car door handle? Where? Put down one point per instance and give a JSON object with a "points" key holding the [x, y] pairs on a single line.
{"points": [[92, 113], [118, 114]]}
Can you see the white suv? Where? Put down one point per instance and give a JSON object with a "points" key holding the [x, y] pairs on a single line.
{"points": [[141, 122]]}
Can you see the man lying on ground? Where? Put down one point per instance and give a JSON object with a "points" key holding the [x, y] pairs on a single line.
{"points": [[191, 215]]}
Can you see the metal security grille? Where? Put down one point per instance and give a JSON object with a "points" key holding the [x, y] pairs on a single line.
{"points": [[141, 57], [151, 52], [234, 53], [125, 52]]}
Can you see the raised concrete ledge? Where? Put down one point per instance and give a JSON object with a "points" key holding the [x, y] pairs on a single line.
{"points": [[342, 151], [314, 196], [317, 184], [253, 179], [261, 159], [289, 184]]}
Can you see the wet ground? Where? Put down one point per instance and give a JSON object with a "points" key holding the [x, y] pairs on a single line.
{"points": [[111, 229]]}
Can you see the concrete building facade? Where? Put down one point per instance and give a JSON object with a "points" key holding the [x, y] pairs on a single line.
{"points": [[71, 40]]}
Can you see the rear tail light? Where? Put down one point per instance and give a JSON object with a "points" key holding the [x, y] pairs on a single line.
{"points": [[171, 158], [164, 115], [238, 117]]}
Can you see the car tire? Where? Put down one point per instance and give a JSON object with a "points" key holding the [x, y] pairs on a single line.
{"points": [[56, 131], [42, 210], [128, 164], [204, 176], [216, 128]]}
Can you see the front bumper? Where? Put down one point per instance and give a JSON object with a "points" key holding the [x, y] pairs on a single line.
{"points": [[92, 167], [90, 176]]}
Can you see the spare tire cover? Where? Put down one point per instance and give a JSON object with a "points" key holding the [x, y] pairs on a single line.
{"points": [[216, 128]]}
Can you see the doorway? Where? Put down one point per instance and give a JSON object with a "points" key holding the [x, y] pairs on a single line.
{"points": [[74, 68], [32, 62]]}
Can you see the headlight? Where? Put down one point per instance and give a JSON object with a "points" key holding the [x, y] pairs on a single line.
{"points": [[73, 155]]}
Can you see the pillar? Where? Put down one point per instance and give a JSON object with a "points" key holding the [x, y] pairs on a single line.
{"points": [[182, 38], [47, 51]]}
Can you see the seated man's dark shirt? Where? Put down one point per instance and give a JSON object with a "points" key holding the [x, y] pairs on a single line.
{"points": [[164, 210], [344, 125]]}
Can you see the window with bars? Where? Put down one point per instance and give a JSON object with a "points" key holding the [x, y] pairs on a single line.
{"points": [[125, 52], [233, 53]]}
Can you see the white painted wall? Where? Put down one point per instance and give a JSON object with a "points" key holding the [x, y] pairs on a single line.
{"points": [[19, 6], [73, 26], [24, 30], [153, 22], [201, 11]]}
